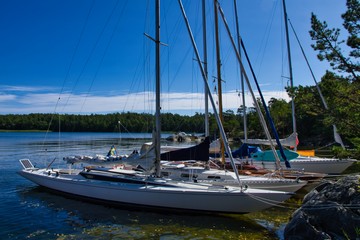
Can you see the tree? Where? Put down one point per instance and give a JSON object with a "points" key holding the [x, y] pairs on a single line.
{"points": [[341, 88], [280, 112], [329, 45], [344, 104], [311, 128], [351, 18]]}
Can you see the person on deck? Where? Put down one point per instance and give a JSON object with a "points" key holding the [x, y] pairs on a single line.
{"points": [[112, 151]]}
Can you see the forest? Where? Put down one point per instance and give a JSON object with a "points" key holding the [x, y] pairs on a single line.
{"points": [[340, 87]]}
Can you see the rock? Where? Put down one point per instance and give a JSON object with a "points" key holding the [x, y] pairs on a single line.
{"points": [[330, 211]]}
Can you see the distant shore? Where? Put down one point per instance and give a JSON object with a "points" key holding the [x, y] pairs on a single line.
{"points": [[4, 130]]}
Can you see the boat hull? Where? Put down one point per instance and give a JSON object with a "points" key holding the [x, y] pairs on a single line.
{"points": [[312, 164], [226, 178], [322, 165], [226, 200]]}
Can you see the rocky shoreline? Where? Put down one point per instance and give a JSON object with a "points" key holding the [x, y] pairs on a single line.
{"points": [[329, 211]]}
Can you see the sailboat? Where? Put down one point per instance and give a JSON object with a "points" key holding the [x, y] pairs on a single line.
{"points": [[187, 171], [151, 190], [314, 164], [267, 159]]}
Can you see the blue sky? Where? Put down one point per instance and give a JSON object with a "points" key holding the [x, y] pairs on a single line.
{"points": [[91, 56]]}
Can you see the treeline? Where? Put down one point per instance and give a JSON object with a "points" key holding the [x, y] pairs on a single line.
{"points": [[312, 129], [314, 122], [114, 122]]}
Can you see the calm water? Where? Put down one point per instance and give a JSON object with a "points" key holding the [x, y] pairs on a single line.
{"points": [[31, 212]]}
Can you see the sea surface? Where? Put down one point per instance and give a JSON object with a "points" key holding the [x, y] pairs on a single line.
{"points": [[31, 212]]}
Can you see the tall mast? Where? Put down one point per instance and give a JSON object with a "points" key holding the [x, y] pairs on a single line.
{"points": [[218, 65], [206, 70], [337, 136], [157, 102], [290, 70], [217, 118], [261, 117], [241, 73]]}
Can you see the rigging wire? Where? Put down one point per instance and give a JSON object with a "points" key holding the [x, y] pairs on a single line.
{"points": [[312, 207], [262, 98], [77, 45], [68, 72], [141, 74], [283, 51], [274, 203], [265, 40], [194, 75], [336, 134], [148, 73], [91, 52], [104, 54], [173, 38]]}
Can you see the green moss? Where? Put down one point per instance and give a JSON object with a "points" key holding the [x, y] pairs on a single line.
{"points": [[354, 168]]}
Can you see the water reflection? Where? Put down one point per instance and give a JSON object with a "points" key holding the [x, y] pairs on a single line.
{"points": [[75, 219]]}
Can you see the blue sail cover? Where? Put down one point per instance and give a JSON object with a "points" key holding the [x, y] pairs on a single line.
{"points": [[245, 151]]}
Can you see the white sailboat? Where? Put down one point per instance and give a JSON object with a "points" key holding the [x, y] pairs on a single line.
{"points": [[157, 194], [322, 165], [154, 191], [220, 177], [297, 162], [176, 166], [223, 177], [314, 164], [266, 159]]}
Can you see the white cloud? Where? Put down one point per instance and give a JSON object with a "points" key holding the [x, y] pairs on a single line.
{"points": [[7, 97], [135, 102], [8, 88]]}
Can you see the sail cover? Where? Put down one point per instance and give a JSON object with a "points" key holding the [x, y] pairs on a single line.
{"points": [[290, 141], [198, 152]]}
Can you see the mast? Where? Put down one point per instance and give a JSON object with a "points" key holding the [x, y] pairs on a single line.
{"points": [[206, 70], [337, 136], [157, 102], [261, 117], [218, 121], [218, 65], [241, 73], [290, 71]]}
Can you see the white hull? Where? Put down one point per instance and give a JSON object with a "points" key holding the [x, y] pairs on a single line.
{"points": [[221, 177], [182, 196], [313, 164], [322, 165]]}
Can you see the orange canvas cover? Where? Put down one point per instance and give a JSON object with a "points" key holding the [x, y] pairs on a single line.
{"points": [[307, 153]]}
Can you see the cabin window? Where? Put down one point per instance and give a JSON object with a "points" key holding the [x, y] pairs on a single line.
{"points": [[213, 177], [186, 175]]}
